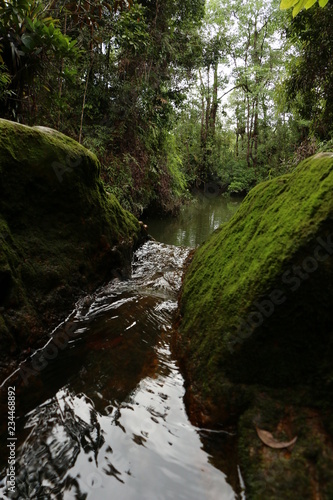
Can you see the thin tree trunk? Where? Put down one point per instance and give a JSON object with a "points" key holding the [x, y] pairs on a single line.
{"points": [[84, 97], [213, 111], [202, 129], [60, 81], [255, 111], [207, 105], [248, 132], [255, 133]]}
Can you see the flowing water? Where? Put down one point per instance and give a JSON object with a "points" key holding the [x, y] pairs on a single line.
{"points": [[99, 410]]}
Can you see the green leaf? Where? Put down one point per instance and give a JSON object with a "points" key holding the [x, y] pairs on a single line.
{"points": [[30, 23], [300, 4], [286, 4], [28, 41], [309, 3], [298, 7]]}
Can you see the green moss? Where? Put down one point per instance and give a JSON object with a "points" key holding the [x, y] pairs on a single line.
{"points": [[277, 372], [124, 222], [305, 471], [60, 232], [275, 228]]}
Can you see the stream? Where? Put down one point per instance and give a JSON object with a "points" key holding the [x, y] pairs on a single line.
{"points": [[99, 409]]}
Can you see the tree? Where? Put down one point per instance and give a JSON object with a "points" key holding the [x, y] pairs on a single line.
{"points": [[152, 54], [242, 58], [31, 43], [257, 61], [310, 83]]}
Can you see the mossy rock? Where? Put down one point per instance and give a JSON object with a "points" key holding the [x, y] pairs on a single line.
{"points": [[256, 300], [61, 234], [302, 471], [255, 334]]}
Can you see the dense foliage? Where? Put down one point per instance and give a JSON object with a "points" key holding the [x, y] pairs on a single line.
{"points": [[109, 75], [244, 136], [172, 94], [310, 82], [263, 103]]}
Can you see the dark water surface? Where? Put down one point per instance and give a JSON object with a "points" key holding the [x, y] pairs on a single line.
{"points": [[196, 221], [101, 414]]}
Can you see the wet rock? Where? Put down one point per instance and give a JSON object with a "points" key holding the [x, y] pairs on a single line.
{"points": [[61, 234]]}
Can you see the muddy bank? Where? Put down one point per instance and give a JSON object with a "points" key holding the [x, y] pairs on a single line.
{"points": [[61, 234]]}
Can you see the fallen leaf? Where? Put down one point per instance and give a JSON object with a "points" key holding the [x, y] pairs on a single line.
{"points": [[268, 439]]}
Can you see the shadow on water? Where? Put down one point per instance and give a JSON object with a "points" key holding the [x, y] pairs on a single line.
{"points": [[102, 416]]}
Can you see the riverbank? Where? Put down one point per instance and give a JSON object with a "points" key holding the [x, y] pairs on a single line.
{"points": [[61, 234], [255, 333]]}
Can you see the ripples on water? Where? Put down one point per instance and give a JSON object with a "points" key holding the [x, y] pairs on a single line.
{"points": [[105, 418]]}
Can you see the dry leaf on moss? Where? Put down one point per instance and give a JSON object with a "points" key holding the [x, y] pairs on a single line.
{"points": [[268, 439]]}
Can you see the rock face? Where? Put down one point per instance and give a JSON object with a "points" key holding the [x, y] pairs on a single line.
{"points": [[256, 299], [256, 327], [61, 234]]}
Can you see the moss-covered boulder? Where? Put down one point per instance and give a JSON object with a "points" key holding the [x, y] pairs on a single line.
{"points": [[257, 298], [256, 329], [61, 234]]}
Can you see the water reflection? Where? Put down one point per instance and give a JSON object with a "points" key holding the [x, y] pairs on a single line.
{"points": [[196, 221], [105, 418]]}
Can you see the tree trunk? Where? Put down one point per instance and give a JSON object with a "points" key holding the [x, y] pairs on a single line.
{"points": [[213, 110], [84, 96], [60, 79]]}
